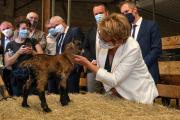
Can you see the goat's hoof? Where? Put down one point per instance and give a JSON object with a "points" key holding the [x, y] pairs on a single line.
{"points": [[25, 105], [68, 99], [64, 103], [47, 110]]}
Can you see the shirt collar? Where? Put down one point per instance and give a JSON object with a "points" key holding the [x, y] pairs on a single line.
{"points": [[138, 23], [66, 29], [7, 38]]}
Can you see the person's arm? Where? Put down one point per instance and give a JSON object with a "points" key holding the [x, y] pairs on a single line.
{"points": [[11, 59], [122, 71], [156, 45], [43, 41], [39, 49], [85, 62]]}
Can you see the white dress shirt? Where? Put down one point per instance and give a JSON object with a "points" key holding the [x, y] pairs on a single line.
{"points": [[138, 25], [60, 51], [129, 74]]}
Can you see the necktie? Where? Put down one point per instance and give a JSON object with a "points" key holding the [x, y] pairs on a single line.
{"points": [[59, 44], [134, 30]]}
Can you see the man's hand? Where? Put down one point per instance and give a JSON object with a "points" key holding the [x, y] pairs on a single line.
{"points": [[24, 50]]}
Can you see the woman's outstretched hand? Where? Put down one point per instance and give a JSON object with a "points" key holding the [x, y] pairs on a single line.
{"points": [[85, 62], [81, 60]]}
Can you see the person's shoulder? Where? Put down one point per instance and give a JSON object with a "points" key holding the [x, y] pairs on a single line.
{"points": [[39, 33], [92, 28], [75, 28], [132, 43], [149, 22]]}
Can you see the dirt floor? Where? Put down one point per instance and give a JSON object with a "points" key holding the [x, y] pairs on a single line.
{"points": [[85, 107]]}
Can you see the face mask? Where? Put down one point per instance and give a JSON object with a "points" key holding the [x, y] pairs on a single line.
{"points": [[52, 31], [23, 33], [99, 17], [130, 17], [59, 29], [34, 24], [8, 32], [104, 45]]}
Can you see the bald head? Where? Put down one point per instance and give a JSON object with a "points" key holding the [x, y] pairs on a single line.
{"points": [[33, 18], [57, 20], [32, 15]]}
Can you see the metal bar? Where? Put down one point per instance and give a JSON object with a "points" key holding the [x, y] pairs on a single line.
{"points": [[69, 13], [53, 7]]}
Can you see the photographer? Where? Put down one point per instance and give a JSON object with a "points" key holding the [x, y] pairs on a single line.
{"points": [[19, 50]]}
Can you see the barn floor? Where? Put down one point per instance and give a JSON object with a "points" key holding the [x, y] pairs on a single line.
{"points": [[85, 107]]}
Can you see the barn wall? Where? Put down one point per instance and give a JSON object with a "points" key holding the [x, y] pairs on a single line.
{"points": [[81, 13]]}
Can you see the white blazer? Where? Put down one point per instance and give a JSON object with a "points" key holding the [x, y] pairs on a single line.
{"points": [[129, 73]]}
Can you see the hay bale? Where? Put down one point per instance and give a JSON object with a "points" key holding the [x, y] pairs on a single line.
{"points": [[85, 107]]}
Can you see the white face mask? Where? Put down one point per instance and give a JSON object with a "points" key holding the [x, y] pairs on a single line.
{"points": [[104, 45], [8, 32], [99, 17], [59, 29]]}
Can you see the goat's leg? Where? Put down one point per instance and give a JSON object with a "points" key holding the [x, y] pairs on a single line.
{"points": [[40, 87], [64, 99], [26, 89], [43, 102]]}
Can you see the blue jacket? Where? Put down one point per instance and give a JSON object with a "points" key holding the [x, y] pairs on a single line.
{"points": [[149, 39]]}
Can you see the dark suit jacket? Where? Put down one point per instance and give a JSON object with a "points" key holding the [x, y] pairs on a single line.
{"points": [[90, 44], [2, 38], [73, 33], [149, 39]]}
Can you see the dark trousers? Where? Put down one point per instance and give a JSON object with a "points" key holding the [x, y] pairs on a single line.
{"points": [[17, 85], [73, 80], [7, 77]]}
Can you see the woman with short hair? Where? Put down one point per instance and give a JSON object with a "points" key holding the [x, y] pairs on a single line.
{"points": [[120, 66]]}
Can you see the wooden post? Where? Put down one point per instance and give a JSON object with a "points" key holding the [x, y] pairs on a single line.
{"points": [[69, 13], [46, 13]]}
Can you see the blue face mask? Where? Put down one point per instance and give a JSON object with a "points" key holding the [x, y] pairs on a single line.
{"points": [[52, 31], [130, 17], [99, 17], [59, 29], [23, 33]]}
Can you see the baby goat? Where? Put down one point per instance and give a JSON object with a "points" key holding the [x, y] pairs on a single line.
{"points": [[41, 66]]}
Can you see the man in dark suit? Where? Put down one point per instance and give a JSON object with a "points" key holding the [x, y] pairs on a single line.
{"points": [[64, 35], [6, 29], [91, 46], [147, 34]]}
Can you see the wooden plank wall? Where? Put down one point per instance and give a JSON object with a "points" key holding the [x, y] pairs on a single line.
{"points": [[170, 71], [171, 42]]}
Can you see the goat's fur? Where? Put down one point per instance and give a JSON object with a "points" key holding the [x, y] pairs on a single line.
{"points": [[41, 66]]}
